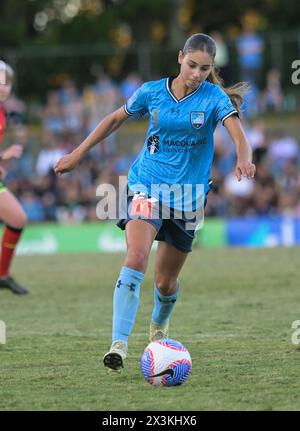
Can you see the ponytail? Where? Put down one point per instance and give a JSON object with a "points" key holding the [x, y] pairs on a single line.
{"points": [[235, 92]]}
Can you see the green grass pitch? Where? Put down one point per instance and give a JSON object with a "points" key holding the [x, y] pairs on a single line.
{"points": [[234, 314]]}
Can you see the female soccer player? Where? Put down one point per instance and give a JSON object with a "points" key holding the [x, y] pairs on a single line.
{"points": [[177, 153], [11, 212]]}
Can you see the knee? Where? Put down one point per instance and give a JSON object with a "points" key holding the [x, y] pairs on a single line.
{"points": [[137, 259], [166, 285], [21, 220], [18, 221]]}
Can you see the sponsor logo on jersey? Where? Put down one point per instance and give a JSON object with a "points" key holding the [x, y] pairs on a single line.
{"points": [[153, 144]]}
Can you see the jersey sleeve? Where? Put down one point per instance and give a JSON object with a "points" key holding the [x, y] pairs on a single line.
{"points": [[138, 102], [2, 124], [224, 107]]}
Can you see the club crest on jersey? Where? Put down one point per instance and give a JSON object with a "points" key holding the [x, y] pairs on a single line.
{"points": [[197, 119]]}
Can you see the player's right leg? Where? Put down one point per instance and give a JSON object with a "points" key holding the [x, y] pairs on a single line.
{"points": [[140, 235]]}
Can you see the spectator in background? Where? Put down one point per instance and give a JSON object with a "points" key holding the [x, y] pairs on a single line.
{"points": [[289, 179], [282, 150], [257, 139], [122, 163], [101, 99], [250, 48], [32, 206], [272, 97], [72, 108], [16, 110], [222, 56], [224, 156], [288, 203], [264, 197], [45, 190], [130, 84], [238, 195], [251, 102], [22, 168], [53, 120], [52, 150], [69, 208]]}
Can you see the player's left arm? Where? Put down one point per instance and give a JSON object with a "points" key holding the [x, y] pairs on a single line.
{"points": [[244, 166], [14, 151]]}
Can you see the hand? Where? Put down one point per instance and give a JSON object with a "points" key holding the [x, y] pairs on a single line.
{"points": [[66, 163], [14, 151], [244, 169]]}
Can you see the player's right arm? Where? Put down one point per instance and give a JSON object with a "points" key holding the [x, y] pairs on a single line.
{"points": [[107, 126]]}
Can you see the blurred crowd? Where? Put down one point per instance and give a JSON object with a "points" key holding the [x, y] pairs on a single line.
{"points": [[66, 119], [276, 187], [69, 114]]}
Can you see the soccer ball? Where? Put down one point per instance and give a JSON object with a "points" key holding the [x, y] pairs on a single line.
{"points": [[166, 362]]}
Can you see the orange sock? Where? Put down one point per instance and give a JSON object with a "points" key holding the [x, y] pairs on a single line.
{"points": [[10, 239]]}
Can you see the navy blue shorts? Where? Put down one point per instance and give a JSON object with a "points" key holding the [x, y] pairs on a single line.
{"points": [[178, 232]]}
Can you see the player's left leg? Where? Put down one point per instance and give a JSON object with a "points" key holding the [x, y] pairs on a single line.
{"points": [[14, 218], [168, 263]]}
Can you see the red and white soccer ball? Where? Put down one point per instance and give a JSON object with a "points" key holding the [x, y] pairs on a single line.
{"points": [[166, 362]]}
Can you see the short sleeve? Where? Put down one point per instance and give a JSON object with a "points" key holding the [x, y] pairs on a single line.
{"points": [[224, 107], [137, 103]]}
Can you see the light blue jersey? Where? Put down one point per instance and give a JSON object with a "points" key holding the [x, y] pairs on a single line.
{"points": [[179, 143]]}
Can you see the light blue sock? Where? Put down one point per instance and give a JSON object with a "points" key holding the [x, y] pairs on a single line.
{"points": [[126, 302], [163, 306]]}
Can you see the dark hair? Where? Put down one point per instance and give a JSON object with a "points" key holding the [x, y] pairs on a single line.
{"points": [[205, 43]]}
